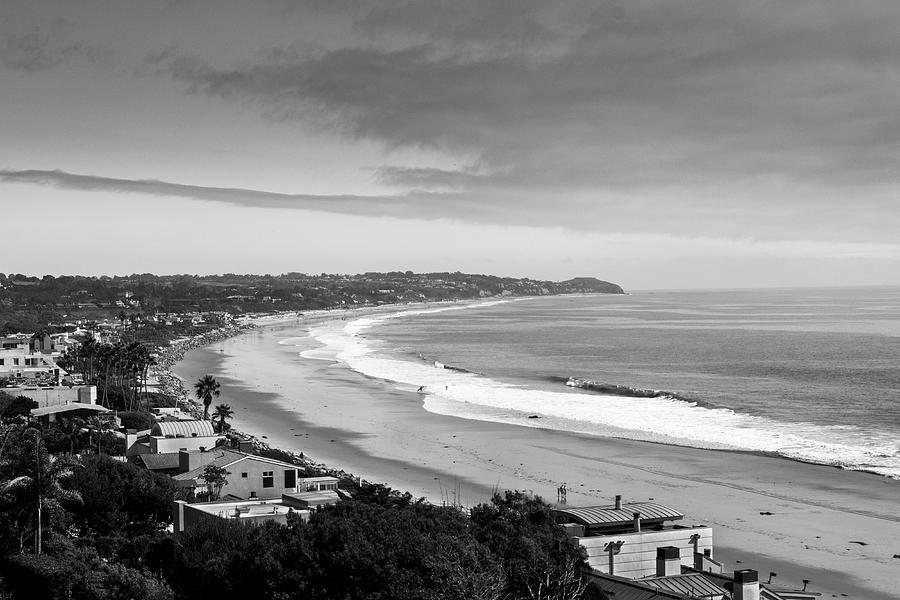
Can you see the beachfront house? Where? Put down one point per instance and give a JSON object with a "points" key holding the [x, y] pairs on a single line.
{"points": [[187, 516], [170, 437], [673, 581], [623, 539], [254, 477]]}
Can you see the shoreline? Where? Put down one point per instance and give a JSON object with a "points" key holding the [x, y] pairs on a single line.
{"points": [[381, 433]]}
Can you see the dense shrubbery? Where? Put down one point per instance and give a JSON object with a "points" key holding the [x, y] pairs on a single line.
{"points": [[67, 572], [138, 420], [12, 407], [106, 538]]}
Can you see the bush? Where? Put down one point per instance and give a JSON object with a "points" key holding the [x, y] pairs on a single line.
{"points": [[137, 420], [120, 498], [18, 406], [79, 574]]}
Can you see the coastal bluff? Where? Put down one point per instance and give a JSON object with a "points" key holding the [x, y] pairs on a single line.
{"points": [[591, 285]]}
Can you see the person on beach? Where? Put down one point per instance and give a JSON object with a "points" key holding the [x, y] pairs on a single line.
{"points": [[561, 492]]}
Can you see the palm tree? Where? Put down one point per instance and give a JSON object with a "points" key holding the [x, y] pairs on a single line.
{"points": [[70, 429], [205, 388], [99, 426], [222, 412], [41, 484]]}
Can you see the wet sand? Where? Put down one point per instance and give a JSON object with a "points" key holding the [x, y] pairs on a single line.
{"points": [[372, 429]]}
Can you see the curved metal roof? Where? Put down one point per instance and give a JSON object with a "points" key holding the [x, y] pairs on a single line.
{"points": [[594, 516], [184, 429]]}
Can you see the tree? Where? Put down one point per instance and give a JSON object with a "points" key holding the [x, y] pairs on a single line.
{"points": [[41, 483], [100, 427], [72, 572], [13, 408], [538, 559], [222, 412], [120, 499], [69, 431], [214, 476], [205, 389]]}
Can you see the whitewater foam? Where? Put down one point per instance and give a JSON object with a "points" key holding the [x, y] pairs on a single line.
{"points": [[659, 419]]}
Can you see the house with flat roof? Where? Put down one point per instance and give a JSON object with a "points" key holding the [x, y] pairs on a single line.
{"points": [[50, 414], [187, 516], [672, 581], [623, 539]]}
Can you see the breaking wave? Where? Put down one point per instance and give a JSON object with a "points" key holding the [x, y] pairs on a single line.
{"points": [[609, 410]]}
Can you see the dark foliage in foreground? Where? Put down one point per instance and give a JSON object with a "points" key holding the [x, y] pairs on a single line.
{"points": [[108, 541]]}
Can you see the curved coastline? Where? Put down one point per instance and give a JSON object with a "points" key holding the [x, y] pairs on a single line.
{"points": [[382, 433], [657, 417]]}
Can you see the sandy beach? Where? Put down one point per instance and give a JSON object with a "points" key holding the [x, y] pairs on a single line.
{"points": [[839, 529]]}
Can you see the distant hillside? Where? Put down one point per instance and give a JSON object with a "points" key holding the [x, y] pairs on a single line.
{"points": [[592, 285], [29, 303]]}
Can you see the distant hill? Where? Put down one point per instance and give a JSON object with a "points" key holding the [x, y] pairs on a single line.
{"points": [[28, 303], [592, 285]]}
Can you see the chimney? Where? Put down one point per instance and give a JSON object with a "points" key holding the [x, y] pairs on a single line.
{"points": [[178, 515], [618, 501], [187, 461], [746, 585], [637, 522], [668, 561], [130, 440]]}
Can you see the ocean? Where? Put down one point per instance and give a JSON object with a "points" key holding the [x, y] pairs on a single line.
{"points": [[807, 374]]}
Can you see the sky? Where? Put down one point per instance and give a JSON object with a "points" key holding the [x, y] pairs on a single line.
{"points": [[656, 144]]}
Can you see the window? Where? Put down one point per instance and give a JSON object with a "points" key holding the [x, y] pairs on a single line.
{"points": [[268, 479], [243, 476], [290, 478], [2, 360]]}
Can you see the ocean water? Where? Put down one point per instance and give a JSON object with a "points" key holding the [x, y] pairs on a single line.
{"points": [[808, 374]]}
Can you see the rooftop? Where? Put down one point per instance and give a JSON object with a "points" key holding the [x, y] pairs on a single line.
{"points": [[160, 462], [693, 585], [243, 509], [66, 408], [184, 429], [225, 458], [610, 516]]}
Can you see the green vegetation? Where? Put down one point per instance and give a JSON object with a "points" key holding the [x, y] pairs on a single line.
{"points": [[102, 535], [15, 407], [216, 478], [31, 303], [205, 389], [99, 525], [222, 412], [118, 370]]}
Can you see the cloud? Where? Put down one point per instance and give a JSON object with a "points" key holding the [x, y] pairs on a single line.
{"points": [[628, 96], [733, 119], [775, 229], [43, 47], [343, 204]]}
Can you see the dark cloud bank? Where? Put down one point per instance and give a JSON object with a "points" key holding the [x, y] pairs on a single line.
{"points": [[637, 95], [749, 118]]}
